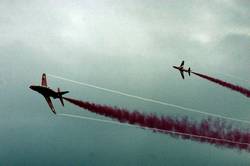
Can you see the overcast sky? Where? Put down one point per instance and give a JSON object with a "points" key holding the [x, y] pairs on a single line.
{"points": [[128, 28], [127, 45]]}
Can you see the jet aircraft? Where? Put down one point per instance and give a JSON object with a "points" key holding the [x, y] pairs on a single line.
{"points": [[44, 90], [182, 69]]}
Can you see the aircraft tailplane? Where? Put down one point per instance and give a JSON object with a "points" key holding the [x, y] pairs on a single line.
{"points": [[60, 95], [189, 71]]}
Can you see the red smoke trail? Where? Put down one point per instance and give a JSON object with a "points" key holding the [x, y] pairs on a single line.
{"points": [[208, 130], [233, 87]]}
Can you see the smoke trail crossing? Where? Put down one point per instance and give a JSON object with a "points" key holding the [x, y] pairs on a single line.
{"points": [[154, 129], [213, 131], [228, 85], [150, 100], [235, 77]]}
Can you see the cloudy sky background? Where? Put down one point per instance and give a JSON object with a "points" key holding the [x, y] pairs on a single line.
{"points": [[128, 46]]}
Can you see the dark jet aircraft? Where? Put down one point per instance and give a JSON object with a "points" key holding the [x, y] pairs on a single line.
{"points": [[182, 70], [44, 90]]}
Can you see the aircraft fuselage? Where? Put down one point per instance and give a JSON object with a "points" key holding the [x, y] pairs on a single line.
{"points": [[45, 91], [180, 68]]}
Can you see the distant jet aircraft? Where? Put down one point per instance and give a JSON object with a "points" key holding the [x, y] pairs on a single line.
{"points": [[47, 92], [182, 70]]}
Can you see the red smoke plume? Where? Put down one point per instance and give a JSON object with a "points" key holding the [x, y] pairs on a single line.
{"points": [[215, 131], [233, 87]]}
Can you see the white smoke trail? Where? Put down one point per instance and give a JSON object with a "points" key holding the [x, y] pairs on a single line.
{"points": [[149, 100], [235, 77], [226, 75], [155, 129]]}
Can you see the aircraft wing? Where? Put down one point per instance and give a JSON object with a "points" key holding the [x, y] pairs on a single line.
{"points": [[182, 63], [44, 80], [50, 104], [182, 74]]}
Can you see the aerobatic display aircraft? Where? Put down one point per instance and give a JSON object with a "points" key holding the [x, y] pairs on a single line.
{"points": [[44, 90], [182, 69]]}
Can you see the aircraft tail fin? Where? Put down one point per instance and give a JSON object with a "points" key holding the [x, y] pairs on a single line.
{"points": [[44, 80], [60, 94], [189, 71]]}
